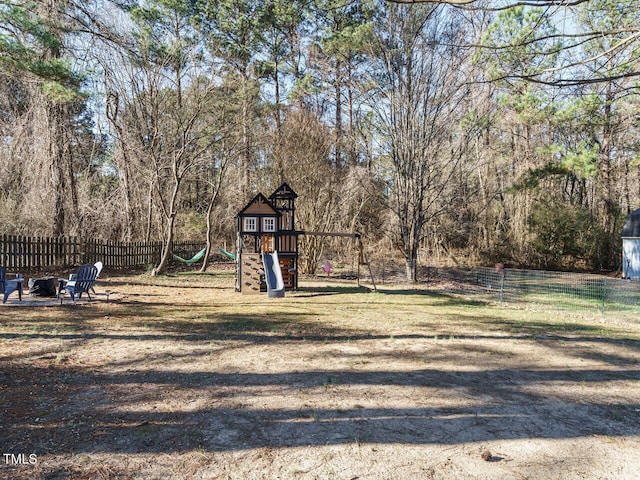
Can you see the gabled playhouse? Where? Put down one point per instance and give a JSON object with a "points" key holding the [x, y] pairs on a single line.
{"points": [[267, 244], [631, 246]]}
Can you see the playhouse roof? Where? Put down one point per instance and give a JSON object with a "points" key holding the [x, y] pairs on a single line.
{"points": [[284, 191], [631, 228], [260, 205]]}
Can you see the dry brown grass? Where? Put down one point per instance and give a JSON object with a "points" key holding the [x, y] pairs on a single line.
{"points": [[180, 377]]}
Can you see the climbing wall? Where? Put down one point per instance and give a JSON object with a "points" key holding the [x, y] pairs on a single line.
{"points": [[252, 273]]}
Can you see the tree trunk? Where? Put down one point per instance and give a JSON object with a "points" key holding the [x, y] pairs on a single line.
{"points": [[170, 228], [212, 201], [149, 211], [246, 136], [411, 269], [353, 145], [56, 158], [338, 101], [123, 167], [604, 197], [208, 246], [128, 210], [166, 247]]}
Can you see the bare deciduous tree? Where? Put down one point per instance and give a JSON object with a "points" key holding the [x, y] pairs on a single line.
{"points": [[419, 82]]}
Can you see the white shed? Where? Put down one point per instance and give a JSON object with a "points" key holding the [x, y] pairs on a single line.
{"points": [[631, 246]]}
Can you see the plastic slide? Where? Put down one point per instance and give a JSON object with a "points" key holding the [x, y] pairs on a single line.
{"points": [[273, 275]]}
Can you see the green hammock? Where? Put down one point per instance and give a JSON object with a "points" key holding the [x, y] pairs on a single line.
{"points": [[196, 258], [228, 254]]}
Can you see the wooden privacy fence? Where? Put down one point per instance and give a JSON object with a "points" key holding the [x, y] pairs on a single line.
{"points": [[24, 253]]}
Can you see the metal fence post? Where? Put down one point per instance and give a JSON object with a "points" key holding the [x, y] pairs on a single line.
{"points": [[604, 295]]}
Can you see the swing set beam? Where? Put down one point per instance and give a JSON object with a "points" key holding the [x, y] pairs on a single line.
{"points": [[331, 234]]}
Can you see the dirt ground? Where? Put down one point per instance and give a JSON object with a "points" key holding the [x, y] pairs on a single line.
{"points": [[189, 380]]}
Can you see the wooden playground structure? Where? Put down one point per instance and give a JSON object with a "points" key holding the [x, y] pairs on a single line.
{"points": [[267, 246]]}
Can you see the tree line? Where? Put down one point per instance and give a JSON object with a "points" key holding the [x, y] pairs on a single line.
{"points": [[497, 131]]}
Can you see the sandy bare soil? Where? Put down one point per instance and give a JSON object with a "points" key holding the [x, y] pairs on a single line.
{"points": [[196, 381]]}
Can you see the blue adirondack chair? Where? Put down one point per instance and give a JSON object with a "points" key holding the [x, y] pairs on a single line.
{"points": [[81, 282], [7, 287], [99, 267]]}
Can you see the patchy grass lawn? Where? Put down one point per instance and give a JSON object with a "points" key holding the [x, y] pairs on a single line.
{"points": [[181, 377]]}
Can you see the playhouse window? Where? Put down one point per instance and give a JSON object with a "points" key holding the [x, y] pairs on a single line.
{"points": [[268, 224], [250, 224]]}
